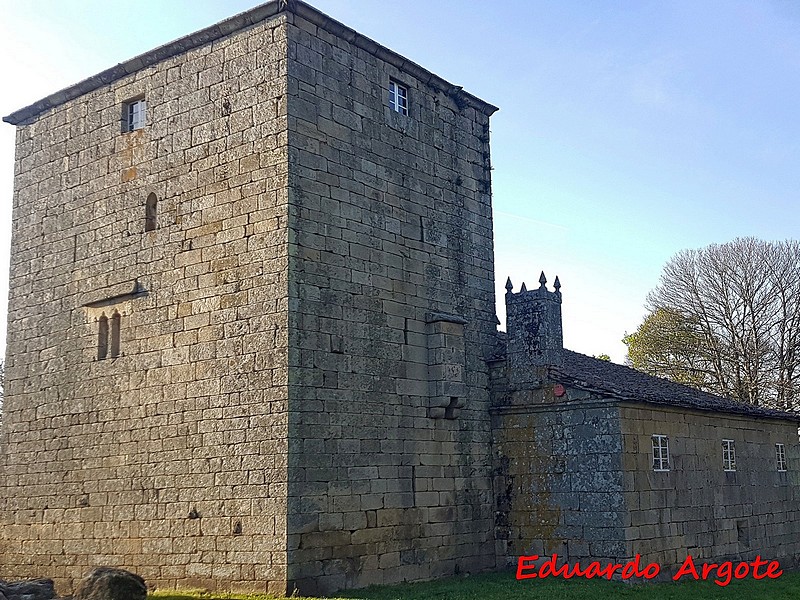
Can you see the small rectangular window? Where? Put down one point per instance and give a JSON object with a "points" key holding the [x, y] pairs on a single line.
{"points": [[134, 114], [398, 97], [728, 455], [780, 456], [660, 453]]}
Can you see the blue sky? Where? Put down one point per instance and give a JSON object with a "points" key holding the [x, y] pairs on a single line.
{"points": [[627, 131]]}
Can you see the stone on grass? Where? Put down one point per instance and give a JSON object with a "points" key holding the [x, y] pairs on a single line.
{"points": [[106, 583], [31, 589]]}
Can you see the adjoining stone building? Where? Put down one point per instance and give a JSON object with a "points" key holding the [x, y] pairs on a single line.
{"points": [[252, 340], [598, 461]]}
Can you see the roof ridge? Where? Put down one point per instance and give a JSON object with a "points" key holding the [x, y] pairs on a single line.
{"points": [[629, 385]]}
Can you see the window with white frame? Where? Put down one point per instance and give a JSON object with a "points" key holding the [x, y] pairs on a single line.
{"points": [[780, 457], [134, 114], [728, 455], [398, 97], [660, 453]]}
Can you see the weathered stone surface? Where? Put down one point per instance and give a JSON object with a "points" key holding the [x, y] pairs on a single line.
{"points": [[107, 583], [295, 393], [276, 358], [575, 468], [31, 589]]}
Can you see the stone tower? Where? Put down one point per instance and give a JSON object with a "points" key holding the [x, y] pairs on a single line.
{"points": [[251, 295], [535, 338]]}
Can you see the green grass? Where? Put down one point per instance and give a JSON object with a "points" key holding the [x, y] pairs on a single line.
{"points": [[503, 586]]}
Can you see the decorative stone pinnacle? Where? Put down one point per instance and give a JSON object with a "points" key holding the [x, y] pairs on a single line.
{"points": [[557, 285], [542, 281], [509, 285], [523, 288]]}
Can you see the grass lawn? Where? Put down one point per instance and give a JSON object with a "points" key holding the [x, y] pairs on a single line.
{"points": [[503, 586]]}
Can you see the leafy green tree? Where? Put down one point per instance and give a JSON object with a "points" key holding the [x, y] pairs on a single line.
{"points": [[667, 344]]}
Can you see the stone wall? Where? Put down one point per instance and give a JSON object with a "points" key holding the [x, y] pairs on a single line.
{"points": [[283, 384], [392, 310], [696, 507], [577, 479], [169, 459], [559, 480], [291, 384]]}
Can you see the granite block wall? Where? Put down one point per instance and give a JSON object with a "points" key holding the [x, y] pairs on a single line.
{"points": [[559, 482], [391, 313], [697, 508], [279, 382], [577, 479], [169, 455]]}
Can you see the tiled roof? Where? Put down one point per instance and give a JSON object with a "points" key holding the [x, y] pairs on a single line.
{"points": [[629, 384]]}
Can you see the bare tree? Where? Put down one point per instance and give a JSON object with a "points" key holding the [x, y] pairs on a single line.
{"points": [[739, 306]]}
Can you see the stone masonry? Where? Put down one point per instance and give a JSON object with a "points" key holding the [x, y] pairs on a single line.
{"points": [[153, 459], [391, 291], [574, 459], [252, 343], [696, 507], [297, 284]]}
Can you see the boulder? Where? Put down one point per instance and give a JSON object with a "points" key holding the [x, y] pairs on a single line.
{"points": [[31, 589], [106, 583]]}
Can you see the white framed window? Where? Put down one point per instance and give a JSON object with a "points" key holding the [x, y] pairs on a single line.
{"points": [[134, 114], [780, 457], [660, 453], [398, 97], [728, 455]]}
